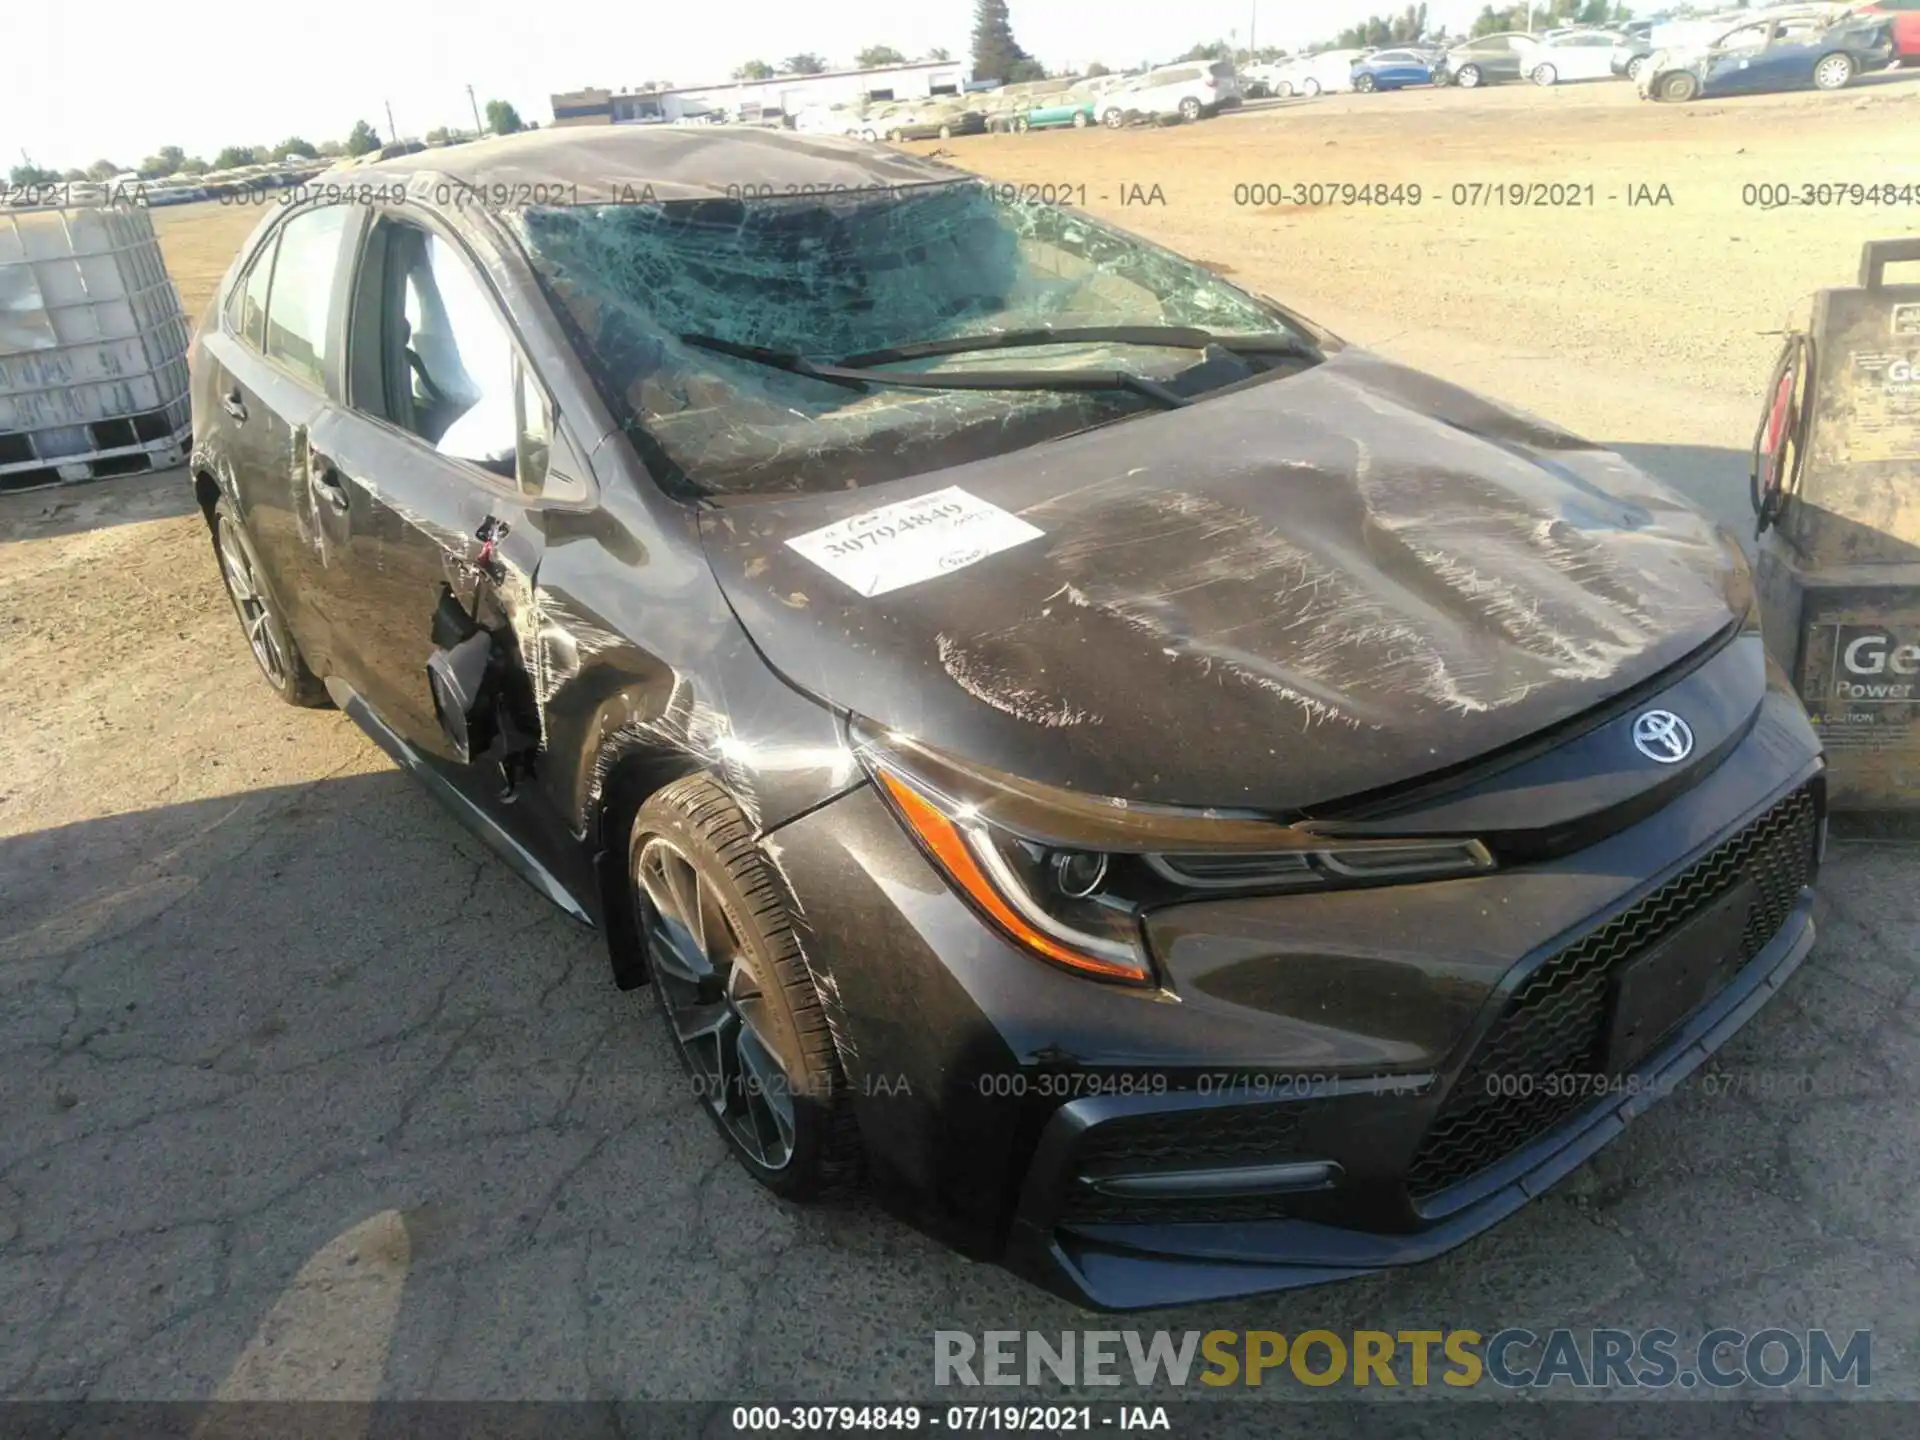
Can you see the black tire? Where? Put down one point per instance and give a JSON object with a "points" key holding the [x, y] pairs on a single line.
{"points": [[281, 664], [1544, 75], [1284, 89], [1022, 125], [1469, 77], [1114, 119], [1310, 87], [766, 989], [1365, 84], [1079, 119], [1834, 72], [946, 132], [1677, 88], [1190, 109]]}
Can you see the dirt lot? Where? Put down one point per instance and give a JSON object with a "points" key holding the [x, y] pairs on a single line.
{"points": [[302, 1094]]}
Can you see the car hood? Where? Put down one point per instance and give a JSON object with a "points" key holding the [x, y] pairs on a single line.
{"points": [[1313, 587]]}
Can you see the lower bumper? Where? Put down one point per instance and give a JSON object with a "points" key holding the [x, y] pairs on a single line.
{"points": [[1131, 1267]]}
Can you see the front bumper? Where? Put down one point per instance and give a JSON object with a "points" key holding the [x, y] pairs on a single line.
{"points": [[1331, 1051]]}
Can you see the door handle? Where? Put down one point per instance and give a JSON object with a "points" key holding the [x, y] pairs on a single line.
{"points": [[234, 405], [326, 479]]}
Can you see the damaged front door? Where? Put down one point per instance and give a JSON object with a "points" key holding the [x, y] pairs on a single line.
{"points": [[445, 448]]}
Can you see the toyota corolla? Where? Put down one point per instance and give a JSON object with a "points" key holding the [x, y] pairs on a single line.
{"points": [[1170, 801]]}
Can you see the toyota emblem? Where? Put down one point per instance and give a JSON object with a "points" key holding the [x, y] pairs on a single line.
{"points": [[1662, 736]]}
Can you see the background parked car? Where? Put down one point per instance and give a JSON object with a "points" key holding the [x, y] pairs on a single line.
{"points": [[1077, 107], [1777, 54], [940, 120], [1579, 55], [1488, 59], [1328, 72], [1392, 70], [1905, 15], [1173, 92]]}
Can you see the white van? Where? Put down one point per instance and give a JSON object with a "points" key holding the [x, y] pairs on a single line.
{"points": [[1327, 73]]}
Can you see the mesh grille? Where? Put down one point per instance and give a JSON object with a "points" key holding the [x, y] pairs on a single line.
{"points": [[1554, 1024]]}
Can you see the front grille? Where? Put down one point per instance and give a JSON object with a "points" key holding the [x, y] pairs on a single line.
{"points": [[1219, 1138], [1554, 1024]]}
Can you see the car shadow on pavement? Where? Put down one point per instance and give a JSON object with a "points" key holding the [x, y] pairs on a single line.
{"points": [[303, 1095]]}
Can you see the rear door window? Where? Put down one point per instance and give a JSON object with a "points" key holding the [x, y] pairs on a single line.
{"points": [[300, 303]]}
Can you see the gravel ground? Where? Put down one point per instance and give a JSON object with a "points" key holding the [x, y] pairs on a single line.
{"points": [[303, 1095]]}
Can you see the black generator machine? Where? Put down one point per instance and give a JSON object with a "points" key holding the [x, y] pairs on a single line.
{"points": [[1836, 488]]}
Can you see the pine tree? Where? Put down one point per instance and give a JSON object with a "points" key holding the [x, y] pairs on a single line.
{"points": [[995, 52]]}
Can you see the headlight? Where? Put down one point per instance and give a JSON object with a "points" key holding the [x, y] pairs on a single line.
{"points": [[1068, 878]]}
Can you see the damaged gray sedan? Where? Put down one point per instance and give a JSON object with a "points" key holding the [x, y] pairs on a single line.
{"points": [[1172, 803]]}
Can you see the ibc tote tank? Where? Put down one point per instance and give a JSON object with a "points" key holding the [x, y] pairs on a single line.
{"points": [[93, 347]]}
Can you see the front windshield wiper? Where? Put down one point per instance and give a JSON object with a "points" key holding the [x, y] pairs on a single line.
{"points": [[1176, 337], [1052, 380]]}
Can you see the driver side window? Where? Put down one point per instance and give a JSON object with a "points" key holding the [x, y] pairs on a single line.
{"points": [[432, 355]]}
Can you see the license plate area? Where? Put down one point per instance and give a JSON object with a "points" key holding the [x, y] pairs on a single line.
{"points": [[1654, 992]]}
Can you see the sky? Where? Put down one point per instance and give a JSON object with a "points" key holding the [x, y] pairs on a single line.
{"points": [[117, 79]]}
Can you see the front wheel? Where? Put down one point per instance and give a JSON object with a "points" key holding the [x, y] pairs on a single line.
{"points": [[1834, 72], [1284, 89], [1310, 87], [1544, 75], [1190, 109], [735, 992], [272, 644], [1365, 84], [1113, 119], [1677, 87], [1079, 119], [946, 132], [1469, 77]]}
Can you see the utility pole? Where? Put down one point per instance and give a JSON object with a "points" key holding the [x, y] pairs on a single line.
{"points": [[392, 134], [1253, 26], [478, 128]]}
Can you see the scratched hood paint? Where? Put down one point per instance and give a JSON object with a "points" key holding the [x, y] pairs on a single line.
{"points": [[1312, 588]]}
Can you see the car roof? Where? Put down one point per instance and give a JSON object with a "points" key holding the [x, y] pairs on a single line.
{"points": [[616, 163]]}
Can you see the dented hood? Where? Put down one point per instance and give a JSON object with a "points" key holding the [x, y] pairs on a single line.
{"points": [[1314, 587]]}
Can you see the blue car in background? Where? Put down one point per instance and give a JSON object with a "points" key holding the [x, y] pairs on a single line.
{"points": [[1393, 70]]}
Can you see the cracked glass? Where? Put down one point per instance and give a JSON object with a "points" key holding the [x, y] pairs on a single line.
{"points": [[829, 275]]}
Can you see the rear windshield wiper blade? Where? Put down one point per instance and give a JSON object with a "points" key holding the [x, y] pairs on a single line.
{"points": [[1181, 337], [1054, 380]]}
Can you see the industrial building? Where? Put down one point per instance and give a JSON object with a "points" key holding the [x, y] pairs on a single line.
{"points": [[753, 100]]}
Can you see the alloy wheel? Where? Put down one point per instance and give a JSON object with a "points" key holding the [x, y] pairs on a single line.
{"points": [[1833, 72], [716, 1004], [243, 588]]}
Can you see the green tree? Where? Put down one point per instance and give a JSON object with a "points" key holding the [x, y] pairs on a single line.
{"points": [[294, 148], [439, 135], [939, 54], [331, 149], [232, 157], [806, 63], [754, 70], [31, 174], [1021, 71], [1215, 50], [502, 118], [875, 56], [102, 170], [363, 139], [73, 177], [192, 165], [1097, 69], [164, 161], [996, 54]]}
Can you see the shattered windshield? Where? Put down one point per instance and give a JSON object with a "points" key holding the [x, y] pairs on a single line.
{"points": [[832, 275]]}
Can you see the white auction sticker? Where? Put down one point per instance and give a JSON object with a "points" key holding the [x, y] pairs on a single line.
{"points": [[913, 540]]}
